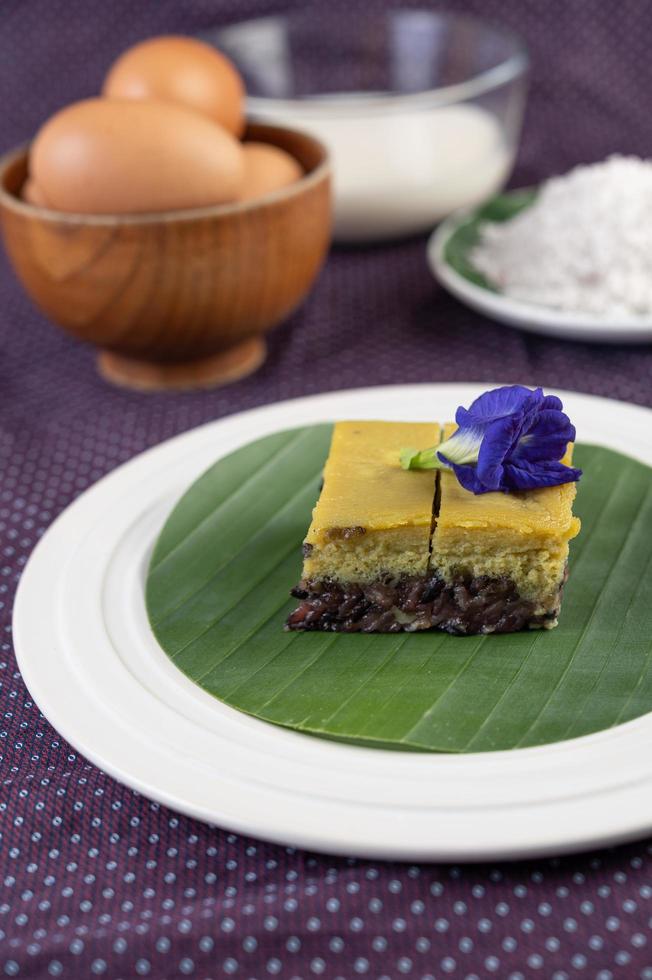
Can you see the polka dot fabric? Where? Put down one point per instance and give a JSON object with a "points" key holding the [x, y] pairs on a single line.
{"points": [[96, 880]]}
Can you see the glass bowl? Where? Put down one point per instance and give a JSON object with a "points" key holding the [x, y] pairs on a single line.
{"points": [[421, 110]]}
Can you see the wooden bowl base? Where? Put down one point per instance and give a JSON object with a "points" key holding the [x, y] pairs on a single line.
{"points": [[206, 372]]}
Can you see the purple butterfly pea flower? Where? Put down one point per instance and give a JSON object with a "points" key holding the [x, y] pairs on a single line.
{"points": [[510, 438]]}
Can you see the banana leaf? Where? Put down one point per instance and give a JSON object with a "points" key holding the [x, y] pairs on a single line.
{"points": [[218, 594], [458, 248]]}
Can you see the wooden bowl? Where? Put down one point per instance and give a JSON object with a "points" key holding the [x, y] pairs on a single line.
{"points": [[179, 299]]}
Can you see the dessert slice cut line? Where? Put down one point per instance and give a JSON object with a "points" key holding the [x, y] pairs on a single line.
{"points": [[436, 504]]}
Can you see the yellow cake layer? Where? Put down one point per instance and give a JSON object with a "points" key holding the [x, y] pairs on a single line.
{"points": [[372, 517], [523, 534]]}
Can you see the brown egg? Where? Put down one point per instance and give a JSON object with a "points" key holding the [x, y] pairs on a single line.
{"points": [[181, 70], [105, 156], [33, 194], [266, 169]]}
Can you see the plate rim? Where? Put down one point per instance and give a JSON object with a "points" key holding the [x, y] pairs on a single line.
{"points": [[312, 838]]}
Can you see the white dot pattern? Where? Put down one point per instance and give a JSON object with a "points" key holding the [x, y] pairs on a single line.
{"points": [[95, 880]]}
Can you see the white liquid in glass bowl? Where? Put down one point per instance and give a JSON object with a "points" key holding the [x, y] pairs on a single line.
{"points": [[420, 109], [401, 173]]}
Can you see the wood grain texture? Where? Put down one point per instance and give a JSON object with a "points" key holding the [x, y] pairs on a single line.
{"points": [[175, 288]]}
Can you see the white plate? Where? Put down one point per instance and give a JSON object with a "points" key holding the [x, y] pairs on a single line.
{"points": [[529, 316], [94, 668]]}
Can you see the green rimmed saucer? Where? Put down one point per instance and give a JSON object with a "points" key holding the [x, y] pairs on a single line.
{"points": [[449, 256]]}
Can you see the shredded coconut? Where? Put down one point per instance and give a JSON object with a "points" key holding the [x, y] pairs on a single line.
{"points": [[585, 245]]}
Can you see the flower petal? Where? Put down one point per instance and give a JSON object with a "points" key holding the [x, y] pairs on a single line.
{"points": [[463, 446], [526, 475], [499, 439], [551, 401], [547, 437], [467, 476], [499, 403]]}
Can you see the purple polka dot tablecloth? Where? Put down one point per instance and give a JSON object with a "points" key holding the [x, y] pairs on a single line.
{"points": [[96, 880]]}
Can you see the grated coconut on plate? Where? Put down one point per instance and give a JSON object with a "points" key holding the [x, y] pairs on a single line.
{"points": [[584, 245]]}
